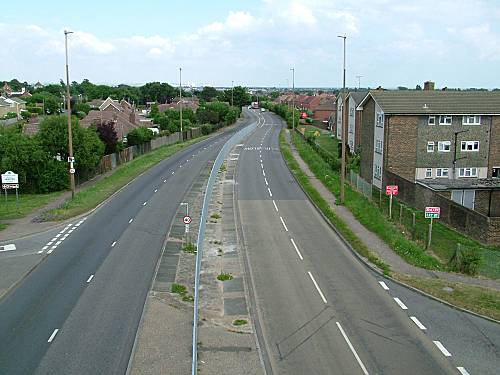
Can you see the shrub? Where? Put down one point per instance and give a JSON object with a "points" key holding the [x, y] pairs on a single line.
{"points": [[139, 135], [206, 129]]}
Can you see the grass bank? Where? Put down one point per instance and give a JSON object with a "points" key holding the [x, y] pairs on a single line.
{"points": [[92, 196], [27, 204]]}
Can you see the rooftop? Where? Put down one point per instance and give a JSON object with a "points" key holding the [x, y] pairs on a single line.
{"points": [[465, 183]]}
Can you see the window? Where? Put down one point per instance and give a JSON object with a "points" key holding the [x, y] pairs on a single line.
{"points": [[467, 172], [351, 112], [470, 146], [495, 173], [442, 172], [444, 120], [380, 120], [471, 120], [431, 120], [444, 146], [377, 173], [378, 146], [430, 146], [428, 172]]}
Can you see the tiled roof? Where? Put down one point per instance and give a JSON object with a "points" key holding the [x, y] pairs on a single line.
{"points": [[358, 96], [437, 102]]}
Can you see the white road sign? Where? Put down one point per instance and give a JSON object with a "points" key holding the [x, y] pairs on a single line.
{"points": [[10, 177]]}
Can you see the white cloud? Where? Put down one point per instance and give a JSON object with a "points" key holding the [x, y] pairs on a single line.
{"points": [[91, 43], [300, 14], [484, 40]]}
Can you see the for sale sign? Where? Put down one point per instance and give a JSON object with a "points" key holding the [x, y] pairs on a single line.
{"points": [[432, 212], [391, 190]]}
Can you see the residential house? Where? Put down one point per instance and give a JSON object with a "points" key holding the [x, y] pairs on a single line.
{"points": [[187, 102], [11, 104], [38, 85], [354, 120], [326, 112], [445, 138], [121, 113], [339, 113]]}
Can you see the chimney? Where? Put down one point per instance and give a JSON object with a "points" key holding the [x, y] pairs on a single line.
{"points": [[428, 86]]}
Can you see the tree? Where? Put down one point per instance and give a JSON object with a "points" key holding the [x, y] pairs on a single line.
{"points": [[50, 102], [107, 134], [139, 135], [208, 94], [418, 87]]}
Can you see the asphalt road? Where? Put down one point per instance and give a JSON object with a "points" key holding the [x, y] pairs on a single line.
{"points": [[78, 311], [320, 310]]}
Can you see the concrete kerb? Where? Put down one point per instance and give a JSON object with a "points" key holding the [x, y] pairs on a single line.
{"points": [[374, 268]]}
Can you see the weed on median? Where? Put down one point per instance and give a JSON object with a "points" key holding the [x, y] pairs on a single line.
{"points": [[223, 276]]}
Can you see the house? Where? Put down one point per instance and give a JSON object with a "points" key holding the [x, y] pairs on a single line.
{"points": [[353, 98], [187, 102], [121, 113], [431, 137], [326, 111], [38, 85], [11, 104]]}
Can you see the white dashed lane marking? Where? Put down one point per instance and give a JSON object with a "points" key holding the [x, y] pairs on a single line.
{"points": [[283, 222], [90, 278], [400, 303], [113, 244], [275, 206], [443, 350], [317, 287], [384, 285], [417, 322], [296, 249], [51, 338]]}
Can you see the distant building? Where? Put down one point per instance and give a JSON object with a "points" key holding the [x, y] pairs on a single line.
{"points": [[187, 102], [38, 86], [11, 104]]}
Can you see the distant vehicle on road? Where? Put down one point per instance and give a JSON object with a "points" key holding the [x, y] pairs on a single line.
{"points": [[255, 105]]}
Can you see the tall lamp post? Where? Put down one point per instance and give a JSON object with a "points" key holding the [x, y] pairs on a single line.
{"points": [[68, 108], [180, 101], [293, 99], [342, 167], [232, 93]]}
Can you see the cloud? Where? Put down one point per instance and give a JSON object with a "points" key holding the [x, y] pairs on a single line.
{"points": [[300, 14], [484, 40]]}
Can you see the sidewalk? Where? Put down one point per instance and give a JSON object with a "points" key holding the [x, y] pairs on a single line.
{"points": [[375, 244]]}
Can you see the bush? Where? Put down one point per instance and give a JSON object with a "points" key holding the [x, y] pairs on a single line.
{"points": [[206, 129], [10, 115], [465, 261], [139, 135]]}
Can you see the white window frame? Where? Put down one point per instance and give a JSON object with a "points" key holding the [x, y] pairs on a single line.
{"points": [[443, 120], [428, 172], [474, 146], [442, 173], [430, 146], [379, 144], [476, 120], [442, 144], [468, 172], [433, 122], [380, 120]]}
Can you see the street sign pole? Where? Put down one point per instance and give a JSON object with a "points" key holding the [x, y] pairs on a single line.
{"points": [[430, 235], [17, 201], [390, 207]]}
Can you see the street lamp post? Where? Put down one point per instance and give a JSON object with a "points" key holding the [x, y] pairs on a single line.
{"points": [[232, 93], [180, 101], [343, 164], [70, 135], [293, 99]]}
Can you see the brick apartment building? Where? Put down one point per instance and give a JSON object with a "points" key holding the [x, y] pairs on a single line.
{"points": [[448, 141]]}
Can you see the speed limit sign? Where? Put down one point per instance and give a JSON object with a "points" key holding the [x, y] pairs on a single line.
{"points": [[187, 220]]}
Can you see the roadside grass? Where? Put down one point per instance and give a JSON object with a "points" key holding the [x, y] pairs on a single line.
{"points": [[215, 216], [483, 301], [178, 289], [366, 211], [3, 226], [189, 248], [240, 322], [27, 204], [223, 276], [323, 205], [92, 196]]}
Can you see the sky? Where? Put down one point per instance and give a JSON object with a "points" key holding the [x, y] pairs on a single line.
{"points": [[389, 43]]}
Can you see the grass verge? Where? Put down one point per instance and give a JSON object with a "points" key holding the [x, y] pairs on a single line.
{"points": [[483, 301], [92, 196], [223, 276], [366, 211], [27, 204], [240, 322], [323, 205]]}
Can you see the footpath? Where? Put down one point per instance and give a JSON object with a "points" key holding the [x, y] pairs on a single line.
{"points": [[375, 244]]}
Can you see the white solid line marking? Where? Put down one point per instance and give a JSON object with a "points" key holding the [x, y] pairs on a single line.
{"points": [[400, 303], [383, 285], [130, 221], [265, 179], [317, 287], [417, 322], [145, 203], [276, 207], [156, 190], [51, 338], [296, 249], [113, 244], [270, 194], [90, 278], [283, 222], [463, 371], [352, 349], [441, 347]]}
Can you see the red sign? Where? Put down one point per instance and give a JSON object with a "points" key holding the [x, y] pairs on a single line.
{"points": [[303, 115], [433, 210], [391, 190], [186, 220]]}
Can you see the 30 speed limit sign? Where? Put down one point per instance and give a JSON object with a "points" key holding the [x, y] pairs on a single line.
{"points": [[187, 220]]}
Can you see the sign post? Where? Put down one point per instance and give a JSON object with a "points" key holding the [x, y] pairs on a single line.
{"points": [[431, 213], [186, 220], [10, 180], [391, 190]]}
